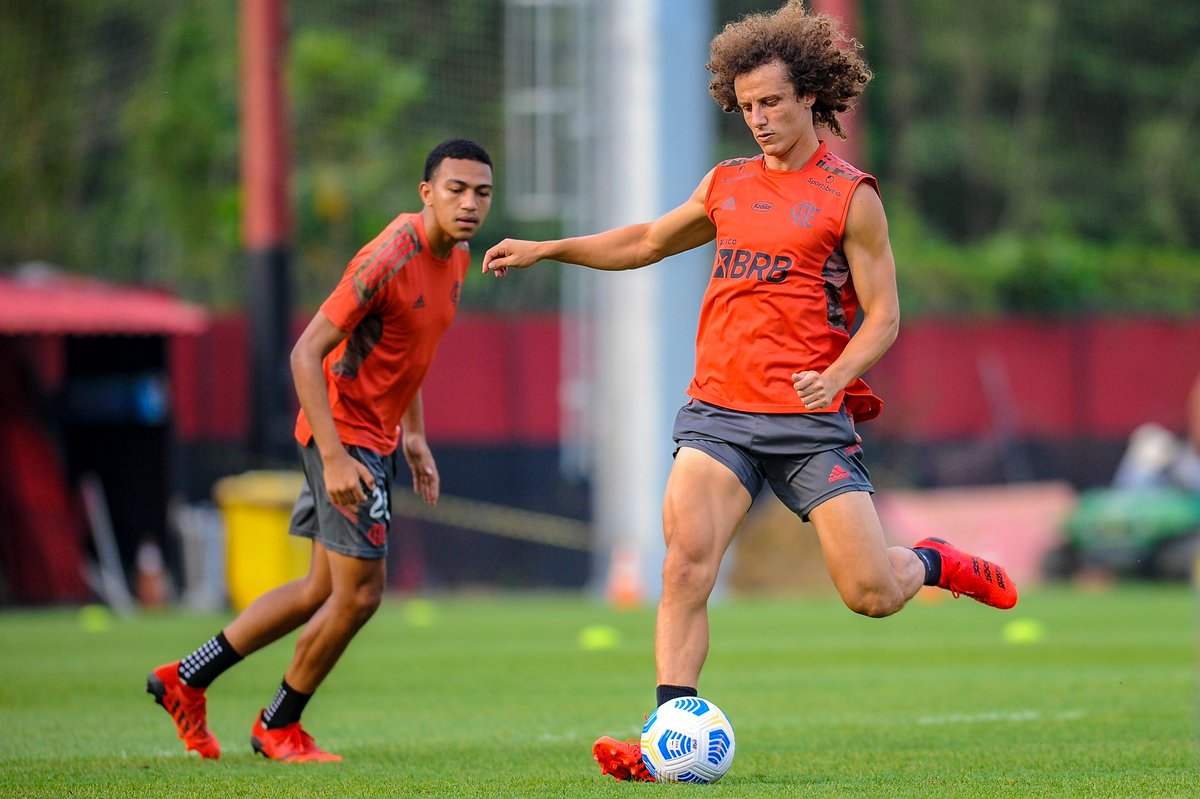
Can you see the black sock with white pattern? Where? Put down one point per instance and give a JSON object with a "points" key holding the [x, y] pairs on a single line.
{"points": [[209, 662], [285, 708]]}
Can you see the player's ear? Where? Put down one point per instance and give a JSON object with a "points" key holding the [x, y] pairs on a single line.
{"points": [[426, 191]]}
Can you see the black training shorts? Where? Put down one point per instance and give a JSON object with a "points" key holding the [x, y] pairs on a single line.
{"points": [[807, 458], [358, 532]]}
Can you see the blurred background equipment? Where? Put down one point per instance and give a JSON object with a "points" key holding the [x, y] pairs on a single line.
{"points": [[1147, 524], [1049, 303], [1138, 533], [86, 428]]}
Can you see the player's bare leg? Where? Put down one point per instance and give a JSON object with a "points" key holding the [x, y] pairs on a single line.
{"points": [[872, 578], [877, 580], [356, 589], [283, 609], [704, 505]]}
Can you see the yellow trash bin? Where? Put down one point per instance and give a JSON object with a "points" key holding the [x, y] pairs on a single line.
{"points": [[259, 553]]}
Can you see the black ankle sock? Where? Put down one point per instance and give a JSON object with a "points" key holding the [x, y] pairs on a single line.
{"points": [[286, 708], [208, 662], [665, 693], [933, 564]]}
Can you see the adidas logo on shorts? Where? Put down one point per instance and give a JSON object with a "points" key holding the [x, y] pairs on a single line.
{"points": [[837, 474]]}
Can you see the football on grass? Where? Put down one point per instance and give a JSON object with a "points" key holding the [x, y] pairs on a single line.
{"points": [[687, 739]]}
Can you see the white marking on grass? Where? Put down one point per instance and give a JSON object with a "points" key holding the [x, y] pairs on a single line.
{"points": [[1000, 715]]}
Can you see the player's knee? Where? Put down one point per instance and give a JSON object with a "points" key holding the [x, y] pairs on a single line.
{"points": [[366, 601], [685, 573], [314, 594], [873, 602], [360, 604]]}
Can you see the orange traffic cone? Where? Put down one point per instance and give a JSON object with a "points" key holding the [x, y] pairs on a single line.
{"points": [[624, 587]]}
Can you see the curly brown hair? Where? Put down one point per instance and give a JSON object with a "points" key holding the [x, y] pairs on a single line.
{"points": [[820, 59]]}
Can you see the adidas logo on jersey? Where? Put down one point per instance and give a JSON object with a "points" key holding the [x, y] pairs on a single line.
{"points": [[420, 303], [729, 205]]}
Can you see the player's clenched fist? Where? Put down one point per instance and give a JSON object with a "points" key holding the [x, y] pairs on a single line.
{"points": [[813, 390]]}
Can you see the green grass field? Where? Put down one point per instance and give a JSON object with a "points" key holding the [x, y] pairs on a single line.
{"points": [[494, 696]]}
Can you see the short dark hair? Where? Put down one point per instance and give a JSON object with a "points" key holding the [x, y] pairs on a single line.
{"points": [[460, 149]]}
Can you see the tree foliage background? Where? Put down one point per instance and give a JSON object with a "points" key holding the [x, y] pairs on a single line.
{"points": [[1037, 156]]}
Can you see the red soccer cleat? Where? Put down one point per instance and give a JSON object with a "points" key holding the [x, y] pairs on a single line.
{"points": [[187, 707], [621, 759], [290, 744], [975, 577]]}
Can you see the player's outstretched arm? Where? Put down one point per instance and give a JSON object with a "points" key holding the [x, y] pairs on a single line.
{"points": [[629, 247]]}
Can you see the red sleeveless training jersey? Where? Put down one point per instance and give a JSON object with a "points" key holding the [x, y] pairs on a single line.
{"points": [[394, 300], [780, 299]]}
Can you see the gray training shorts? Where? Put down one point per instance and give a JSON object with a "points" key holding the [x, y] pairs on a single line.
{"points": [[807, 458], [358, 532]]}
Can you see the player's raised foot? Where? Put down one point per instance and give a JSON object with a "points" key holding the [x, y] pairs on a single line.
{"points": [[187, 707], [972, 576], [289, 743], [621, 759]]}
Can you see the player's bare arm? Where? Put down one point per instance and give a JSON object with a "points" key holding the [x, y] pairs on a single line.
{"points": [[344, 476], [873, 269], [630, 247], [426, 482]]}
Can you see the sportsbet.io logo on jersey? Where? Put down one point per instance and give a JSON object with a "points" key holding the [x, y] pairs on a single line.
{"points": [[736, 264]]}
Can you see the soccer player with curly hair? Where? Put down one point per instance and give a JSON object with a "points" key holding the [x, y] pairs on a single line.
{"points": [[802, 248]]}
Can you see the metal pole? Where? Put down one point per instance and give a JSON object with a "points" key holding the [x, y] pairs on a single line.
{"points": [[267, 224], [658, 129]]}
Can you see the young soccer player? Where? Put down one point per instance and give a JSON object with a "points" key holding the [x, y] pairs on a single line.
{"points": [[358, 369], [802, 247]]}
